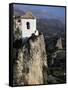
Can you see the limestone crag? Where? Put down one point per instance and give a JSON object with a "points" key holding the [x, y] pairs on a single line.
{"points": [[30, 62]]}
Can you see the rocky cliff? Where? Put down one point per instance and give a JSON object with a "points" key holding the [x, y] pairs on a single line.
{"points": [[30, 62]]}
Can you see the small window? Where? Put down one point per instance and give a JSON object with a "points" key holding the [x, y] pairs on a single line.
{"points": [[28, 25], [19, 20]]}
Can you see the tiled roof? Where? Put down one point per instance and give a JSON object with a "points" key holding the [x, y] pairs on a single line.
{"points": [[28, 15]]}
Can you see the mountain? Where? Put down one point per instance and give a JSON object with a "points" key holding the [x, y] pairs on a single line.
{"points": [[18, 12], [50, 27]]}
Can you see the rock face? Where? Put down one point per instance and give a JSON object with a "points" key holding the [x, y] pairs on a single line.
{"points": [[59, 44], [30, 62]]}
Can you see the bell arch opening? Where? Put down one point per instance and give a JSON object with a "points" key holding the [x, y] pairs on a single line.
{"points": [[28, 25]]}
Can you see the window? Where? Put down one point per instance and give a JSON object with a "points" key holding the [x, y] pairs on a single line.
{"points": [[28, 25], [19, 20]]}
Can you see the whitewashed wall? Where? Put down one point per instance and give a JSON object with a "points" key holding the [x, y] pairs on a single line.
{"points": [[28, 32]]}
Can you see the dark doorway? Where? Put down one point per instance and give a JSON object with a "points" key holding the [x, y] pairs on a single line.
{"points": [[28, 25]]}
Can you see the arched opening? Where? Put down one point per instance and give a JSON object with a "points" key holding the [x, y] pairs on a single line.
{"points": [[28, 25]]}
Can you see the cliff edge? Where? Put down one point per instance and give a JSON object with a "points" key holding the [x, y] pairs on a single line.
{"points": [[30, 62]]}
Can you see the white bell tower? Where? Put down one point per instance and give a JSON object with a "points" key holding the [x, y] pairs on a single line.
{"points": [[28, 25]]}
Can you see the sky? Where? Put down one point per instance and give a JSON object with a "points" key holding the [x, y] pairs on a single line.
{"points": [[43, 11]]}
